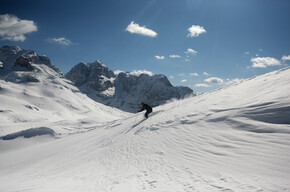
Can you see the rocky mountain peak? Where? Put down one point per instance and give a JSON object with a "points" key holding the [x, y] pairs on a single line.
{"points": [[20, 65], [124, 90]]}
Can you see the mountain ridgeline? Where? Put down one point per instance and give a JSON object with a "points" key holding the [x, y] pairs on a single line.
{"points": [[24, 66], [124, 90]]}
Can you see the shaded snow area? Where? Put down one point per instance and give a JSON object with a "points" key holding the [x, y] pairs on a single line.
{"points": [[28, 133], [235, 139]]}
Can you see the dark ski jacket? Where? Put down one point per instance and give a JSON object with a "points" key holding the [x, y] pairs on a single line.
{"points": [[146, 107]]}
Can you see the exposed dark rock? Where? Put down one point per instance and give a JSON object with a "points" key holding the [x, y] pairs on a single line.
{"points": [[23, 62], [124, 90]]}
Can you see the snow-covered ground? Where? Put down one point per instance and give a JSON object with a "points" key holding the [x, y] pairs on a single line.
{"points": [[236, 138]]}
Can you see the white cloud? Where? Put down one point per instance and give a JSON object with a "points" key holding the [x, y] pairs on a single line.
{"points": [[264, 62], [194, 74], [195, 30], [181, 74], [171, 77], [191, 51], [118, 71], [205, 73], [174, 56], [139, 72], [183, 81], [214, 80], [286, 58], [60, 41], [141, 30], [159, 57], [202, 85], [12, 28], [247, 53]]}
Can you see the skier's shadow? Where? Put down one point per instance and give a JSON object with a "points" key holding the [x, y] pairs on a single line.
{"points": [[151, 114], [135, 125]]}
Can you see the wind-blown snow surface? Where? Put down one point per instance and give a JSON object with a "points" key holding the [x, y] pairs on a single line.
{"points": [[233, 139]]}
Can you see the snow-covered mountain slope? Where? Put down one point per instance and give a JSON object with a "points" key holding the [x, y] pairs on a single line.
{"points": [[233, 139], [35, 94], [124, 90]]}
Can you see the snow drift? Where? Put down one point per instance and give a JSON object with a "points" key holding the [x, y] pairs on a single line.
{"points": [[28, 133]]}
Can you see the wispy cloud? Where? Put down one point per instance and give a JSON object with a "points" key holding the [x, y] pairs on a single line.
{"points": [[247, 53], [194, 74], [183, 80], [195, 31], [205, 73], [61, 41], [181, 74], [286, 58], [159, 57], [202, 85], [141, 30], [263, 62], [139, 72], [191, 51], [174, 56], [12, 28], [214, 80]]}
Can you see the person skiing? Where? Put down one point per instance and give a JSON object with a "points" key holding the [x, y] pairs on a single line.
{"points": [[146, 107]]}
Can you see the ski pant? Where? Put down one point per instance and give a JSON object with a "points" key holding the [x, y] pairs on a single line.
{"points": [[147, 113]]}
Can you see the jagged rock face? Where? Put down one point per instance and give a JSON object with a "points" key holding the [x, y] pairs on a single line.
{"points": [[21, 66], [23, 62], [95, 75], [154, 90], [78, 74], [99, 77], [124, 91], [13, 55]]}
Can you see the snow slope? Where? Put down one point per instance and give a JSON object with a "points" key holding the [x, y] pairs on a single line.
{"points": [[236, 139], [53, 103]]}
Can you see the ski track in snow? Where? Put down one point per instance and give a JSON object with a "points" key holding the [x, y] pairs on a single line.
{"points": [[223, 141]]}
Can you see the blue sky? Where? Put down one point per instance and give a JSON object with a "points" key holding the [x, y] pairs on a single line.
{"points": [[203, 44]]}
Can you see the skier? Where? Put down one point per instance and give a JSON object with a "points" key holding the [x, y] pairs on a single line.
{"points": [[146, 107]]}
